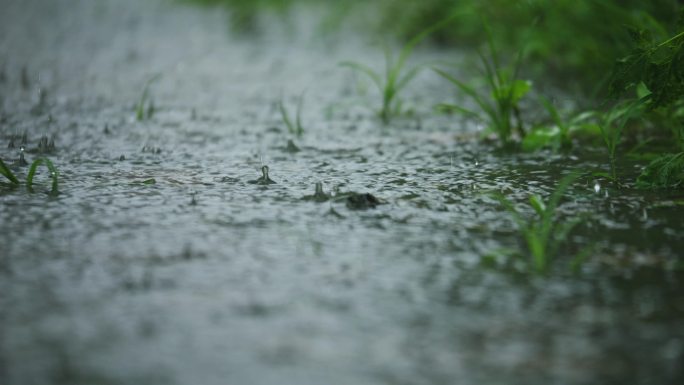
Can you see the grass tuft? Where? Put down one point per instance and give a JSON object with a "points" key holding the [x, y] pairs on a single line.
{"points": [[145, 110], [395, 78], [296, 127], [501, 106], [544, 233], [54, 174]]}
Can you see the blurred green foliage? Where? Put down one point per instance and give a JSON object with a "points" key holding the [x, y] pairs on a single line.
{"points": [[581, 38], [605, 54]]}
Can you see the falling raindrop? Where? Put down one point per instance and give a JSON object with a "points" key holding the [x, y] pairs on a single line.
{"points": [[597, 187]]}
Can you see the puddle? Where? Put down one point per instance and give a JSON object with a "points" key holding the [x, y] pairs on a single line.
{"points": [[160, 262]]}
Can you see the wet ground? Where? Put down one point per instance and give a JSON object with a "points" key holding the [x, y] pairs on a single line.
{"points": [[201, 277]]}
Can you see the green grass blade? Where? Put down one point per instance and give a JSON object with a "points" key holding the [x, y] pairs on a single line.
{"points": [[493, 51], [537, 204], [468, 91], [552, 205], [7, 173], [54, 174], [300, 106], [454, 108], [408, 48], [391, 70], [286, 117], [407, 78], [551, 109], [365, 70], [519, 220], [140, 108]]}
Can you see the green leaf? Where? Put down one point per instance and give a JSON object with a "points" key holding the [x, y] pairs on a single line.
{"points": [[374, 76], [7, 173], [54, 174], [666, 171], [519, 89], [451, 108], [540, 137], [642, 90], [537, 204]]}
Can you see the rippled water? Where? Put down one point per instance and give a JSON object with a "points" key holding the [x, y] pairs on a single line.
{"points": [[205, 278]]}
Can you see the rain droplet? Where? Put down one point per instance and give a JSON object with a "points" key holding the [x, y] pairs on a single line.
{"points": [[597, 187]]}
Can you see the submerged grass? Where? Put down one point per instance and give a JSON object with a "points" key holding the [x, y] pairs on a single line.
{"points": [[544, 233]]}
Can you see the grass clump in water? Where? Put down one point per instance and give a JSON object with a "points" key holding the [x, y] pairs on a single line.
{"points": [[544, 233], [144, 110], [559, 135], [296, 127], [611, 128], [54, 174], [395, 78], [501, 106]]}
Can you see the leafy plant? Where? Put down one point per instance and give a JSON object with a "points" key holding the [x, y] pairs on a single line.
{"points": [[612, 126], [295, 128], [666, 171], [145, 109], [501, 106], [545, 233], [394, 79], [54, 174], [575, 42], [560, 134], [657, 65]]}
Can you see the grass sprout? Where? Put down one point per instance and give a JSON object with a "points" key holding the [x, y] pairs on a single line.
{"points": [[612, 126], [559, 135], [296, 127], [395, 77], [544, 233], [54, 174], [501, 106], [144, 110], [7, 173]]}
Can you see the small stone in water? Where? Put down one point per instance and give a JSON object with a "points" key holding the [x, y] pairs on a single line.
{"points": [[362, 201]]}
